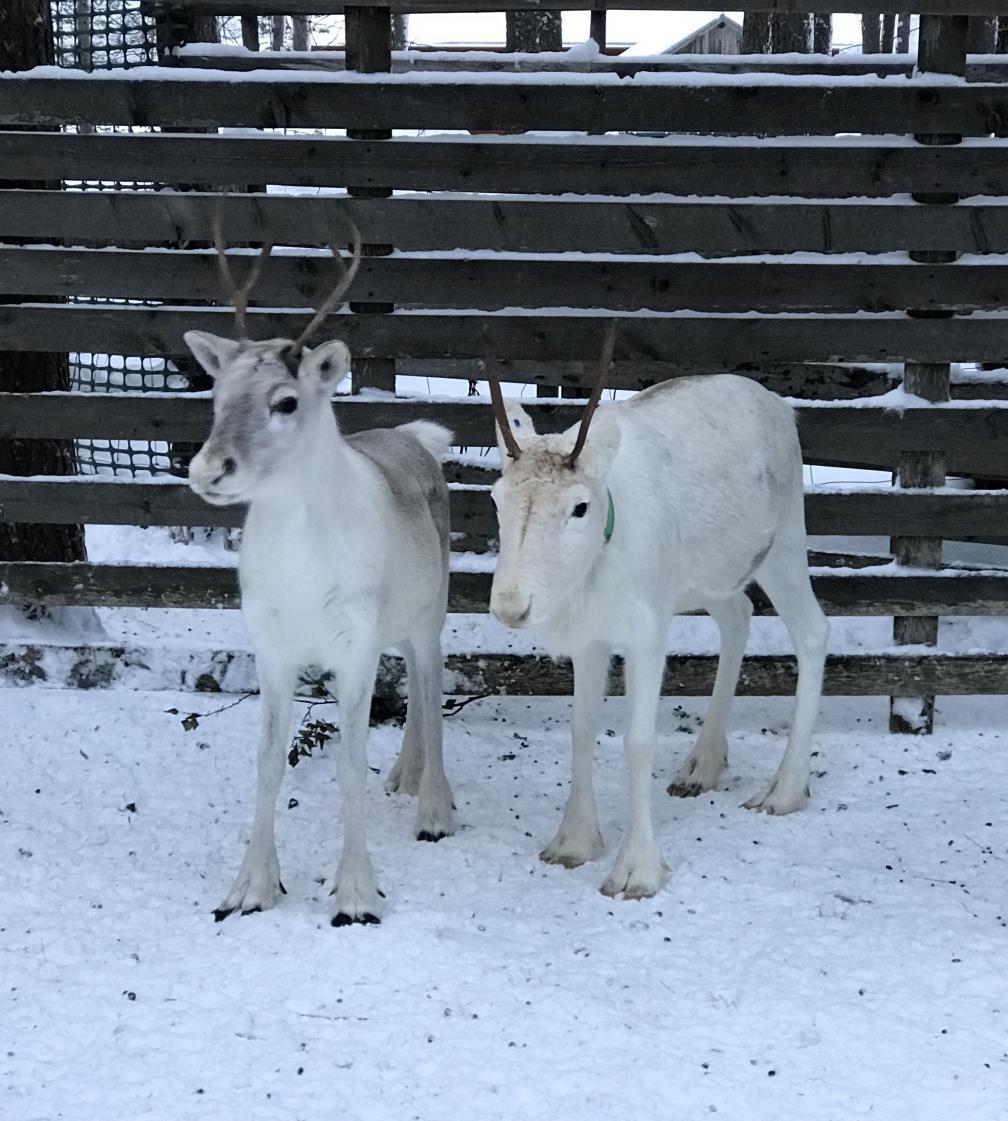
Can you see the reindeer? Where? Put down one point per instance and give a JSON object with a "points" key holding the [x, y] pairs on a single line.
{"points": [[344, 553], [670, 501]]}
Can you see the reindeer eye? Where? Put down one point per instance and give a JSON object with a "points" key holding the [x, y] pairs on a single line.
{"points": [[285, 405], [580, 510]]}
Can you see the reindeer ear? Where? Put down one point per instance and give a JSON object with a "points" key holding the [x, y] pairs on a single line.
{"points": [[212, 352], [521, 426], [601, 445], [328, 364]]}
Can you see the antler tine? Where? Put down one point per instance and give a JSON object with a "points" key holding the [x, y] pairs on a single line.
{"points": [[239, 294], [348, 272], [586, 418], [497, 400]]}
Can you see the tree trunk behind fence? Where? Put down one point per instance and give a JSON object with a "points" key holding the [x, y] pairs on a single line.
{"points": [[26, 40], [888, 28], [903, 33], [791, 32], [277, 38], [400, 29], [300, 37], [534, 31], [822, 33], [756, 33], [870, 40]]}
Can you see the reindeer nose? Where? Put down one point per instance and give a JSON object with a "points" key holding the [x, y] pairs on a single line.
{"points": [[228, 467], [512, 609]]}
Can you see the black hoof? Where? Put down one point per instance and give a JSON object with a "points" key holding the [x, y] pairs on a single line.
{"points": [[367, 919], [220, 915], [425, 835], [681, 790], [283, 890], [253, 910]]}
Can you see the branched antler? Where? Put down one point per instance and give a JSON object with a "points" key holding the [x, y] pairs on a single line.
{"points": [[347, 274], [586, 418], [238, 294]]}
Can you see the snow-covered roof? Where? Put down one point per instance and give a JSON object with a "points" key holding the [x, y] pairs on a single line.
{"points": [[654, 45]]}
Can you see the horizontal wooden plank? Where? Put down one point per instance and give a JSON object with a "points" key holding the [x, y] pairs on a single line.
{"points": [[783, 107], [336, 7], [847, 675], [100, 500], [813, 381], [975, 439], [103, 501], [693, 339], [94, 666], [492, 283], [618, 166], [509, 225], [114, 585], [984, 68]]}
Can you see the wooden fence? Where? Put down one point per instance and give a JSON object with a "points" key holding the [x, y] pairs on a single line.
{"points": [[749, 231]]}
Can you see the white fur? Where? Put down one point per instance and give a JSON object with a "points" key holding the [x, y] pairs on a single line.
{"points": [[706, 479], [344, 553]]}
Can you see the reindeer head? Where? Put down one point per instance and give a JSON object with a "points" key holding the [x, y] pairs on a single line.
{"points": [[553, 504], [266, 394]]}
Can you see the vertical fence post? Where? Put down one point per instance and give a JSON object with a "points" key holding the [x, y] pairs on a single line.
{"points": [[597, 28], [369, 51], [942, 50]]}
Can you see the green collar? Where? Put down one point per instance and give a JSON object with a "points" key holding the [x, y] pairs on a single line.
{"points": [[610, 520]]}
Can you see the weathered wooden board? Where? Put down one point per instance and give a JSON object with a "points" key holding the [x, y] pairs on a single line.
{"points": [[685, 338], [974, 439], [620, 166], [813, 381], [781, 108], [518, 281], [101, 501], [99, 667], [510, 225], [107, 585], [413, 62], [335, 7], [762, 675]]}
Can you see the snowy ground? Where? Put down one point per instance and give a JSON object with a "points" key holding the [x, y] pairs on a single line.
{"points": [[843, 963]]}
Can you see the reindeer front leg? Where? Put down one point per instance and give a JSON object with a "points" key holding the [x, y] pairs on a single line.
{"points": [[257, 886], [579, 838], [639, 871], [356, 898]]}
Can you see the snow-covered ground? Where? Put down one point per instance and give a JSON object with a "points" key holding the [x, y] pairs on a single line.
{"points": [[845, 962]]}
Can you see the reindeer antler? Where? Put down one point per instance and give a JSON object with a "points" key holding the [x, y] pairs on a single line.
{"points": [[497, 400], [586, 418], [347, 273], [239, 294]]}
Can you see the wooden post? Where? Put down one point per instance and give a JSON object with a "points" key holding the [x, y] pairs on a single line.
{"points": [[369, 51], [597, 28], [942, 50]]}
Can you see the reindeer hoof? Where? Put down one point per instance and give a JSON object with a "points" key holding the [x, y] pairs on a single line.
{"points": [[366, 919], [427, 835]]}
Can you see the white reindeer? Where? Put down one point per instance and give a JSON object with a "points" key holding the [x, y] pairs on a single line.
{"points": [[672, 500], [344, 553]]}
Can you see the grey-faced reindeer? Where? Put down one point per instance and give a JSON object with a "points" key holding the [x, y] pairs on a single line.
{"points": [[344, 553], [670, 501]]}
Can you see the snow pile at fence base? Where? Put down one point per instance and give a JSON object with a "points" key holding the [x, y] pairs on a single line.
{"points": [[842, 962]]}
